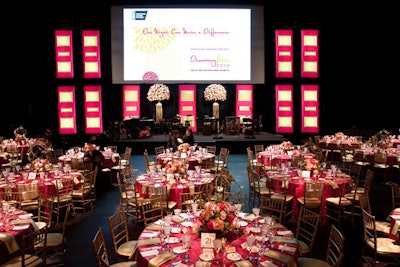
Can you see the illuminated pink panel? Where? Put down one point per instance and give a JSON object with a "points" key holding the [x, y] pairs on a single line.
{"points": [[93, 109], [309, 109], [244, 101], [309, 54], [187, 104], [66, 110], [91, 54], [284, 108], [64, 56], [284, 53], [130, 101]]}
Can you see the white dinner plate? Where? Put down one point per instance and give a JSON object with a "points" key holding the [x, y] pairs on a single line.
{"points": [[206, 256], [233, 256], [179, 250], [255, 230]]}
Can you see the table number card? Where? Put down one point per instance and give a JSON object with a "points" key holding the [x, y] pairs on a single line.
{"points": [[32, 176], [207, 240]]}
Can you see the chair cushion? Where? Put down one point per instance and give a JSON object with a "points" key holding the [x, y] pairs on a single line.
{"points": [[311, 262]]}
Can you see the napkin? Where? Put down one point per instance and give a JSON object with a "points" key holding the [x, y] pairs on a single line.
{"points": [[286, 248], [161, 259], [268, 264], [396, 227], [11, 243], [149, 234], [286, 232], [278, 225], [280, 257], [244, 263], [177, 219], [332, 183], [154, 227], [250, 217], [203, 264], [284, 239], [146, 242], [149, 253]]}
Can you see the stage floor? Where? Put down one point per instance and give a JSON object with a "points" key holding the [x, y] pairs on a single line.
{"points": [[235, 143]]}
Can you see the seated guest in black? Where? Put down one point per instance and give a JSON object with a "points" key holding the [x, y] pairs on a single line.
{"points": [[188, 137], [174, 140]]}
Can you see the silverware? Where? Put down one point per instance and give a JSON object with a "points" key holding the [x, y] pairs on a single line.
{"points": [[174, 263]]}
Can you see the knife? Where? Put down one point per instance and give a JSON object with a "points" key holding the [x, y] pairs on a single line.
{"points": [[174, 263]]}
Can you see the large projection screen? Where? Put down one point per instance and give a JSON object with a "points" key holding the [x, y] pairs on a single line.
{"points": [[187, 44]]}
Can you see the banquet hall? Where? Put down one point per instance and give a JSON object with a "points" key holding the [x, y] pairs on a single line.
{"points": [[355, 89]]}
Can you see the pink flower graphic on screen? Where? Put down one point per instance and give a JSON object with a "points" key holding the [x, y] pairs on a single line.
{"points": [[150, 76]]}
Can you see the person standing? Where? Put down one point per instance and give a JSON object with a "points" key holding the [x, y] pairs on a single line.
{"points": [[174, 140], [188, 137]]}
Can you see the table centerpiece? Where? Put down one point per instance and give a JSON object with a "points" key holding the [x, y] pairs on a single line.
{"points": [[218, 218]]}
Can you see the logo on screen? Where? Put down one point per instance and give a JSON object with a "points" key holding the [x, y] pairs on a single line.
{"points": [[139, 15]]}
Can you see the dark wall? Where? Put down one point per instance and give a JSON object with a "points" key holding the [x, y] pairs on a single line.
{"points": [[358, 65]]}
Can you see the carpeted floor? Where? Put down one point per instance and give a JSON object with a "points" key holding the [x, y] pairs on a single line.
{"points": [[81, 231]]}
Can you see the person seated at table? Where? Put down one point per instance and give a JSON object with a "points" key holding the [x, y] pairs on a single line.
{"points": [[188, 137], [174, 140]]}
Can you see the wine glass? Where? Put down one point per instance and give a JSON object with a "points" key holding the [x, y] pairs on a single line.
{"points": [[250, 243], [217, 247], [256, 212], [162, 241], [186, 245], [167, 231], [197, 168]]}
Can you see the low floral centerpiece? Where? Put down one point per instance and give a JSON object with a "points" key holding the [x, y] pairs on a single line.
{"points": [[184, 147], [312, 165], [286, 146], [175, 166], [340, 135], [40, 165], [219, 218], [158, 92], [215, 92]]}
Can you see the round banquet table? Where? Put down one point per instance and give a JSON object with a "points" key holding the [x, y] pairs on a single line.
{"points": [[12, 234], [195, 159], [276, 158], [334, 186], [110, 159], [151, 246], [368, 156], [46, 185], [144, 181]]}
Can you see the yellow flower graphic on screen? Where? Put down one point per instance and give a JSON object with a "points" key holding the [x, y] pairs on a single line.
{"points": [[153, 40]]}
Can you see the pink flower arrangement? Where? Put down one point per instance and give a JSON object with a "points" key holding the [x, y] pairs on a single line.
{"points": [[218, 217], [215, 92], [158, 92], [286, 145], [183, 147], [311, 164], [175, 166], [340, 135], [40, 165]]}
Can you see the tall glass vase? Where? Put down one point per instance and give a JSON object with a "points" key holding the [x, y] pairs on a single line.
{"points": [[215, 110], [159, 112]]}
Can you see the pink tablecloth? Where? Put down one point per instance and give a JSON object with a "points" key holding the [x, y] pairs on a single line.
{"points": [[296, 186], [144, 181], [234, 242]]}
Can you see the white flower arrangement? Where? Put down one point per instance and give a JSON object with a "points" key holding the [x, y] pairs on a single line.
{"points": [[158, 92], [215, 92]]}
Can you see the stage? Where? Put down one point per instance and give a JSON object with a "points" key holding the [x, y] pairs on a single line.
{"points": [[235, 143]]}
